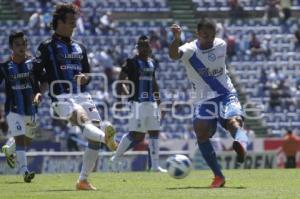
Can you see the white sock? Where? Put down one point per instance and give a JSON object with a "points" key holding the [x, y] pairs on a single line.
{"points": [[154, 153], [93, 133], [21, 161], [11, 146], [89, 160], [123, 146]]}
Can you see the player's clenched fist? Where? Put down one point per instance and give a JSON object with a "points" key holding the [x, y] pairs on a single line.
{"points": [[176, 29]]}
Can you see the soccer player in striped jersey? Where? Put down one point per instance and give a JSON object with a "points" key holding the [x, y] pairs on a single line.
{"points": [[22, 96], [67, 72], [217, 100], [140, 71]]}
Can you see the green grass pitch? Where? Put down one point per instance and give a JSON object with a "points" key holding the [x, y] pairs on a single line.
{"points": [[252, 184]]}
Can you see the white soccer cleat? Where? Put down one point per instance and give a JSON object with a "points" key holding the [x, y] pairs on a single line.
{"points": [[159, 169]]}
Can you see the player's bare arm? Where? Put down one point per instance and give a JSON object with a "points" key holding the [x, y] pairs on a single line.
{"points": [[156, 91], [121, 88], [37, 98], [176, 43]]}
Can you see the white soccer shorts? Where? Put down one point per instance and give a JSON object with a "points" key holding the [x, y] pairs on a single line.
{"points": [[145, 116], [66, 104], [22, 124]]}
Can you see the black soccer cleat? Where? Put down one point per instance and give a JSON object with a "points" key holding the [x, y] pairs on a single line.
{"points": [[29, 176], [240, 150]]}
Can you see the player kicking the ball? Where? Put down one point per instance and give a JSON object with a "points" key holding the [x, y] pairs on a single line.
{"points": [[22, 96], [66, 65], [217, 100]]}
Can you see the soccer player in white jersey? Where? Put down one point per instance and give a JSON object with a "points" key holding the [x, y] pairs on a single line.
{"points": [[216, 98]]}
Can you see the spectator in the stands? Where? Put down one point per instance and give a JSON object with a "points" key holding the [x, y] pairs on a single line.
{"points": [[236, 9], [80, 24], [285, 14], [36, 21], [272, 9], [263, 79], [274, 97], [275, 77], [266, 46], [297, 39], [254, 44], [231, 46], [163, 37], [220, 31], [107, 23], [260, 48], [154, 41], [285, 6], [93, 21], [242, 44], [286, 94], [46, 21]]}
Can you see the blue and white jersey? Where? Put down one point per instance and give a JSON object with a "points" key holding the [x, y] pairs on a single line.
{"points": [[20, 87], [61, 58], [141, 73], [206, 69]]}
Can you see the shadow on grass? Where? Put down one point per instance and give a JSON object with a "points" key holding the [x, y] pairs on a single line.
{"points": [[14, 182], [190, 187], [58, 190]]}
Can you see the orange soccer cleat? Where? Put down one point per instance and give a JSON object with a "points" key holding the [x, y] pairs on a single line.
{"points": [[218, 182], [84, 185]]}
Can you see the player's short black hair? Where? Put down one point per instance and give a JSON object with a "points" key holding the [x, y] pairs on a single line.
{"points": [[142, 38], [61, 10], [14, 35], [206, 23]]}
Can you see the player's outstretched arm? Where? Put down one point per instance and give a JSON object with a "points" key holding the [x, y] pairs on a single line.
{"points": [[174, 52]]}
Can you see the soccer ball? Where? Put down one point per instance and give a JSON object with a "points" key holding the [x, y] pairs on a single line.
{"points": [[178, 166]]}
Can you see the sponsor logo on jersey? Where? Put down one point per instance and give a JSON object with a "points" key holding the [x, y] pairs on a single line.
{"points": [[71, 67], [73, 56], [29, 64], [19, 76], [21, 86], [210, 72]]}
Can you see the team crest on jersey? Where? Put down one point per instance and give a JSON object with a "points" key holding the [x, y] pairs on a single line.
{"points": [[77, 48], [29, 65], [211, 57]]}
